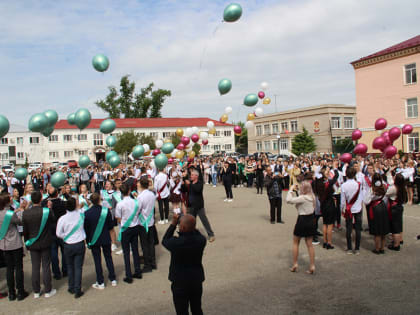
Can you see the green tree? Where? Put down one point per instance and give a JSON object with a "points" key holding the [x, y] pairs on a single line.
{"points": [[241, 141], [343, 146], [303, 143], [128, 104], [126, 141], [148, 140], [175, 140], [196, 148]]}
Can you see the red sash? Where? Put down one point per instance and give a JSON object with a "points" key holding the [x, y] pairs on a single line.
{"points": [[161, 190], [371, 206], [368, 181], [349, 205], [326, 185], [391, 203]]}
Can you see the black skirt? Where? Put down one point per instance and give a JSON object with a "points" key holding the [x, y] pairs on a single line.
{"points": [[397, 219], [328, 212], [175, 198], [380, 225], [305, 226]]}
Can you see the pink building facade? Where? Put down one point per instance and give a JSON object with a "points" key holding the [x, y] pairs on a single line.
{"points": [[387, 86]]}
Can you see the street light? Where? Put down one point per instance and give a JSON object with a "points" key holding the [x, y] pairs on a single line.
{"points": [[278, 143]]}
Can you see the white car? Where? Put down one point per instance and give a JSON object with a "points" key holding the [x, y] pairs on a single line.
{"points": [[7, 169], [34, 166]]}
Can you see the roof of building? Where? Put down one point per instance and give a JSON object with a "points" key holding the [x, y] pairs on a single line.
{"points": [[412, 42], [311, 108], [146, 123]]}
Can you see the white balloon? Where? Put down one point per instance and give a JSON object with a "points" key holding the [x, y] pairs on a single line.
{"points": [[210, 124], [204, 135], [259, 111], [188, 132], [249, 124], [173, 154], [195, 130], [159, 143], [264, 86], [188, 149], [228, 110], [146, 147]]}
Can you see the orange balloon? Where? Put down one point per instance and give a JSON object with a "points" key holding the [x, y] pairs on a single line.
{"points": [[147, 153], [212, 131], [224, 118], [179, 132], [250, 116], [267, 101], [191, 154]]}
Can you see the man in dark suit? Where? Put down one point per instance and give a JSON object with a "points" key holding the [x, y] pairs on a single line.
{"points": [[40, 249], [92, 217], [186, 269]]}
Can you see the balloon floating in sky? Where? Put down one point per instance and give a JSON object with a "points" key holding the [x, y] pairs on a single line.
{"points": [[259, 112], [161, 160], [261, 94], [360, 148], [266, 101], [249, 124], [84, 161], [138, 151], [107, 126], [264, 86], [356, 134], [394, 133], [52, 117], [21, 173], [100, 62], [195, 138], [71, 119], [210, 124], [82, 118], [380, 123], [224, 118], [110, 154], [407, 129], [4, 126], [179, 132], [114, 161], [346, 158], [47, 131], [232, 12], [228, 110], [58, 179], [251, 99], [38, 122], [237, 130], [390, 151], [159, 143], [225, 85], [110, 141], [167, 148], [379, 143], [250, 117]]}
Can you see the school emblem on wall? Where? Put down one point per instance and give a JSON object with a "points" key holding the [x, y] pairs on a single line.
{"points": [[316, 126]]}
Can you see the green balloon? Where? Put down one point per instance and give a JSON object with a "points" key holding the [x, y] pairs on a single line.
{"points": [[110, 154], [225, 85], [161, 160], [71, 119], [114, 161], [251, 99], [84, 161], [58, 179], [138, 151], [4, 126], [232, 12], [38, 122], [100, 62], [21, 173], [167, 148], [82, 118], [110, 141], [52, 117], [107, 126], [47, 131]]}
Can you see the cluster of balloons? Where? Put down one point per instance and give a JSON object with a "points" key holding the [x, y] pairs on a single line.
{"points": [[43, 122], [81, 118]]}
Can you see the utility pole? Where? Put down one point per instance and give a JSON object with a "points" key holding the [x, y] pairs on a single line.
{"points": [[275, 102]]}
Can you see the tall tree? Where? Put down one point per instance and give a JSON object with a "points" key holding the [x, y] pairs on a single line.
{"points": [[127, 104], [241, 141], [126, 141], [303, 143], [343, 146]]}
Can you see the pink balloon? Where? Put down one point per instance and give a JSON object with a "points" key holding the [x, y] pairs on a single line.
{"points": [[185, 140], [261, 94], [195, 138], [155, 152], [360, 148], [346, 158], [380, 123], [407, 129], [379, 143], [394, 133], [190, 159], [390, 151], [356, 134], [180, 146], [386, 137], [205, 142], [170, 160], [237, 130]]}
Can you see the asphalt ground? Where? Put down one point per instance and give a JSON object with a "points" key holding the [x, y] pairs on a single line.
{"points": [[247, 271]]}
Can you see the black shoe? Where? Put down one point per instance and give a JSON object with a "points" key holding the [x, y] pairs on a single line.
{"points": [[329, 246], [12, 296], [71, 291], [418, 238], [324, 245], [128, 280], [272, 222], [79, 294], [57, 277], [146, 270], [154, 267], [23, 295], [381, 251], [396, 248], [402, 242], [139, 275], [377, 252]]}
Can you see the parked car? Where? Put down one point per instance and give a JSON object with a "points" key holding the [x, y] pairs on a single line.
{"points": [[55, 164], [72, 163], [34, 166], [6, 169]]}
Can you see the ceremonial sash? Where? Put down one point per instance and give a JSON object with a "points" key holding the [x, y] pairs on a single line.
{"points": [[145, 222], [99, 227], [16, 203], [44, 196], [372, 205], [116, 196], [160, 191], [391, 203], [107, 197], [28, 198], [129, 220], [82, 201], [368, 181], [6, 223], [45, 214], [349, 205], [78, 225]]}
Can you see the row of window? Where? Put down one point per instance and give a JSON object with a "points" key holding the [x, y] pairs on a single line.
{"points": [[67, 154], [273, 145], [19, 140], [217, 147], [274, 128], [336, 123]]}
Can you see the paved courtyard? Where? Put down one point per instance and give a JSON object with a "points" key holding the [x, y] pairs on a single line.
{"points": [[247, 272]]}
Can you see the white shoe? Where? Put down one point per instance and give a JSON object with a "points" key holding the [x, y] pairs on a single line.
{"points": [[226, 200], [230, 200], [114, 247], [37, 295], [166, 221], [51, 293], [114, 283], [98, 286], [119, 252], [160, 222], [214, 185]]}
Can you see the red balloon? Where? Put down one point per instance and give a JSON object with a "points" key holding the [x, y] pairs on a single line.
{"points": [[379, 143], [237, 130], [195, 138], [394, 133], [261, 94], [346, 158], [407, 129], [356, 134], [155, 152], [386, 137], [185, 141], [190, 159], [360, 148], [380, 123], [390, 151], [170, 160], [205, 142], [180, 146]]}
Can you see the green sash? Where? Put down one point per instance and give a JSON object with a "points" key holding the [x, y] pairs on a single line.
{"points": [[5, 225], [45, 214], [107, 197], [78, 225], [45, 196], [130, 219], [16, 203], [28, 198], [116, 196], [145, 222], [99, 227], [82, 201]]}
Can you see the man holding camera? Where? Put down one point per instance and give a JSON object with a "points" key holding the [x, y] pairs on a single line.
{"points": [[274, 189]]}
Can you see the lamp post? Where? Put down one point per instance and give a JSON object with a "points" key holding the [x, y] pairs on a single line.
{"points": [[278, 143]]}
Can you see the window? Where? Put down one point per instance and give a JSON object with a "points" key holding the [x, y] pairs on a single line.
{"points": [[34, 140], [413, 142], [259, 146], [82, 137], [142, 134], [5, 156], [53, 155], [67, 138], [216, 147], [412, 111], [284, 126], [348, 138], [267, 146], [335, 139], [275, 128], [348, 122], [266, 129], [154, 135], [21, 155], [228, 146], [228, 133], [4, 140], [167, 134], [335, 122], [410, 73], [19, 140], [217, 134], [206, 147], [275, 146], [284, 144], [53, 138], [294, 126], [98, 139], [259, 130], [68, 154], [83, 152]]}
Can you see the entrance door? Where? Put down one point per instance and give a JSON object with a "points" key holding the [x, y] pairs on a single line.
{"points": [[100, 156]]}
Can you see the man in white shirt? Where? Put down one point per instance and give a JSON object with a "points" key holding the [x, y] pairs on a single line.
{"points": [[351, 206], [162, 191], [146, 200], [127, 214]]}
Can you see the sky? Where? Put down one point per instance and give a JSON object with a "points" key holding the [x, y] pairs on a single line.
{"points": [[302, 49]]}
